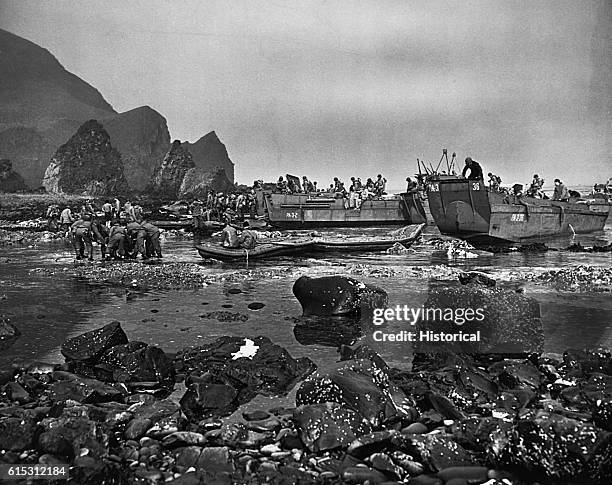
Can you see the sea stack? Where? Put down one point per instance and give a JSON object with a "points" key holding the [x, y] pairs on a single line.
{"points": [[87, 164]]}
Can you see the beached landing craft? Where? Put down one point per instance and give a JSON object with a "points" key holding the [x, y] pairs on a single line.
{"points": [[323, 209], [470, 210]]}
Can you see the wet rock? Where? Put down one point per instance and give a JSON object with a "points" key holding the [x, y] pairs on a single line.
{"points": [[438, 451], [508, 322], [203, 400], [184, 438], [355, 475], [17, 434], [144, 364], [255, 415], [476, 474], [83, 390], [550, 446], [14, 392], [328, 426], [8, 333], [583, 362], [313, 330], [602, 414], [224, 316], [513, 374], [371, 443], [256, 305], [361, 386], [86, 164], [90, 470], [477, 278], [474, 433], [215, 459], [90, 346], [69, 436], [250, 366], [337, 295], [137, 428]]}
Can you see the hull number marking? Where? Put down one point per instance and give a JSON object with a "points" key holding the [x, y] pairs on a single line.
{"points": [[517, 217]]}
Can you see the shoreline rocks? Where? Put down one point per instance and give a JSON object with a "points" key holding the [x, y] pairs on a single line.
{"points": [[464, 420]]}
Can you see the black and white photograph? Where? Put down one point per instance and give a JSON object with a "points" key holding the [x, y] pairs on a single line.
{"points": [[350, 242]]}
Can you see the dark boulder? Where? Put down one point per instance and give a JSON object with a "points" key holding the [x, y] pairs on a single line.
{"points": [[86, 164], [69, 436], [327, 426], [251, 366], [82, 389], [477, 278], [17, 434], [93, 471], [203, 400], [90, 346], [337, 295], [550, 447], [362, 386], [137, 362], [8, 333], [508, 322], [584, 362], [438, 451]]}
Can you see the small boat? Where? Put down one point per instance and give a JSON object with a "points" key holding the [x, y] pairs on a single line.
{"points": [[264, 249], [326, 209], [470, 210], [405, 236]]}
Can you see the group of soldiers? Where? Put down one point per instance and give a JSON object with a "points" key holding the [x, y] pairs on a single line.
{"points": [[223, 207], [356, 193], [122, 231]]}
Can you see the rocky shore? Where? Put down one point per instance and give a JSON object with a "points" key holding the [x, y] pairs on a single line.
{"points": [[177, 275], [122, 412]]}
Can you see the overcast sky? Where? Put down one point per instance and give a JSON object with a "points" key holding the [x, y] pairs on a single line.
{"points": [[345, 88]]}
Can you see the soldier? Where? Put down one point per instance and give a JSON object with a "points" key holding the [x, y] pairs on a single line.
{"points": [[248, 239], [561, 194], [116, 240], [153, 247], [66, 220], [535, 189], [197, 214], [82, 231], [474, 167], [136, 237]]}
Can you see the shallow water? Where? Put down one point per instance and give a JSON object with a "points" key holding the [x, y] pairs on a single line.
{"points": [[48, 310]]}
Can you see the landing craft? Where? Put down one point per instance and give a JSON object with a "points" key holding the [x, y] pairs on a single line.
{"points": [[470, 210], [328, 209]]}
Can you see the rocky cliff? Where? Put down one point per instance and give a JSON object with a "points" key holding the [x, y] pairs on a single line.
{"points": [[209, 154], [197, 182], [169, 173], [86, 164], [141, 136], [42, 105], [10, 181], [39, 101]]}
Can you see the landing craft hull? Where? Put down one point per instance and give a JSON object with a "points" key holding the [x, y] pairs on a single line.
{"points": [[469, 210], [302, 211]]}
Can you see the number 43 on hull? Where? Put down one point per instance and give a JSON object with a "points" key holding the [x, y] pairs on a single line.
{"points": [[470, 210]]}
